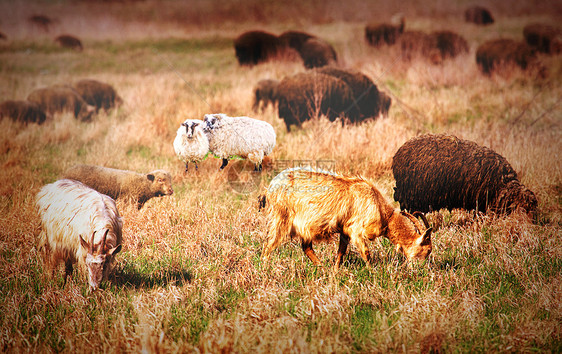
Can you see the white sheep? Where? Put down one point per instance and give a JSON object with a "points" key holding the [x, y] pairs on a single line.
{"points": [[191, 143], [70, 212], [239, 136]]}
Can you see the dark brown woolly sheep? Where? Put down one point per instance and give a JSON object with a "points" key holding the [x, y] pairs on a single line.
{"points": [[419, 44], [316, 52], [495, 53], [41, 21], [265, 93], [255, 47], [307, 95], [479, 15], [70, 42], [294, 39], [98, 94], [59, 99], [449, 44], [365, 92], [383, 33], [546, 39], [441, 171], [385, 102], [134, 186], [22, 111]]}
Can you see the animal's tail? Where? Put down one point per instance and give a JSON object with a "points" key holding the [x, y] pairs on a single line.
{"points": [[261, 202]]}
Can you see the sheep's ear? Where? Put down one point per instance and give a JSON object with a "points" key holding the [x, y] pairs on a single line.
{"points": [[114, 250], [150, 177], [195, 124], [84, 243]]}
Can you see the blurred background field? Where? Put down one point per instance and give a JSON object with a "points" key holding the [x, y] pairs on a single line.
{"points": [[190, 275]]}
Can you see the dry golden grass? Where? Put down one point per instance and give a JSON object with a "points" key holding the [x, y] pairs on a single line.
{"points": [[190, 275]]}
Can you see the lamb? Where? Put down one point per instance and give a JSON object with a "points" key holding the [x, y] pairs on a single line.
{"points": [[98, 94], [22, 111], [315, 205], [71, 212], [191, 143], [68, 41], [265, 93], [60, 99], [239, 136], [137, 187], [442, 171]]}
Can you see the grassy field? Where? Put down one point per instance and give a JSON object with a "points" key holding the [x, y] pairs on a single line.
{"points": [[190, 276]]}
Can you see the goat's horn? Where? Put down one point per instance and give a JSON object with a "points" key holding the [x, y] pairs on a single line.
{"points": [[92, 242], [420, 214], [103, 240]]}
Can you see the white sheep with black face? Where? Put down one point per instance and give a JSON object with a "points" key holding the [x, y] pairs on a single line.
{"points": [[79, 225], [239, 136], [191, 143]]}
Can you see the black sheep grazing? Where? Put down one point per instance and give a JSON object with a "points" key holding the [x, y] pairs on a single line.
{"points": [[265, 93], [70, 42], [255, 47], [442, 171], [450, 44], [98, 94], [496, 53], [546, 39], [478, 15], [365, 92], [294, 39], [22, 111], [41, 21], [307, 95], [61, 98], [379, 34]]}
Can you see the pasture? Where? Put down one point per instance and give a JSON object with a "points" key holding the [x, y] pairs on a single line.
{"points": [[190, 276]]}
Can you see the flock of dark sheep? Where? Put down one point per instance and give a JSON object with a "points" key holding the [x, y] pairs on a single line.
{"points": [[431, 171]]}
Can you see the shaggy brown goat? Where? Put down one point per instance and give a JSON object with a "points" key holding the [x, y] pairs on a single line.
{"points": [[137, 187], [314, 206], [70, 42], [442, 171], [479, 15], [496, 53], [255, 47], [546, 39], [59, 99], [98, 94], [22, 111], [307, 95], [265, 93], [364, 91]]}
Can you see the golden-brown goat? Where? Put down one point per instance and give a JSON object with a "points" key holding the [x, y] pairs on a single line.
{"points": [[314, 206]]}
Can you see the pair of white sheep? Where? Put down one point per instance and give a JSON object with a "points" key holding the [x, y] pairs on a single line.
{"points": [[225, 137]]}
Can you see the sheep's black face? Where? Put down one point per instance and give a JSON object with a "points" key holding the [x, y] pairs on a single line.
{"points": [[190, 128]]}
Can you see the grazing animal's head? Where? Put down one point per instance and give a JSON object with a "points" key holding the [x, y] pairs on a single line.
{"points": [[516, 196], [190, 126], [213, 121], [160, 183], [98, 259], [411, 237]]}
